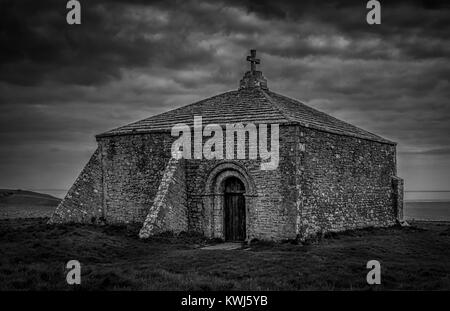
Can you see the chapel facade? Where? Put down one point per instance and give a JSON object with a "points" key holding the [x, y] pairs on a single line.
{"points": [[330, 175]]}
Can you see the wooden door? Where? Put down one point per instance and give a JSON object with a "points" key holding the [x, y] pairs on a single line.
{"points": [[234, 210]]}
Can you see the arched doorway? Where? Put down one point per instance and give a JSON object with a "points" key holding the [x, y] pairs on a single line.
{"points": [[234, 210], [213, 200]]}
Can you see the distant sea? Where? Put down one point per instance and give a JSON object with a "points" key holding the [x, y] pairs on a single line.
{"points": [[419, 205], [427, 205]]}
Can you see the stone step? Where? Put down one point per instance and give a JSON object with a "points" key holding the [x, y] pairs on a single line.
{"points": [[227, 246]]}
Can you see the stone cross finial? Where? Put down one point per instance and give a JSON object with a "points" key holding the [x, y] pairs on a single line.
{"points": [[253, 78], [253, 60]]}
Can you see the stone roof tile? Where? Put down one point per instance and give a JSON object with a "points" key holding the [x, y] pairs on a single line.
{"points": [[247, 105]]}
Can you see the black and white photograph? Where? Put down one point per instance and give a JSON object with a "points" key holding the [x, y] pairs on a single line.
{"points": [[211, 147]]}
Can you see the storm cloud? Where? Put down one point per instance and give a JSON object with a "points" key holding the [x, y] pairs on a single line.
{"points": [[61, 84]]}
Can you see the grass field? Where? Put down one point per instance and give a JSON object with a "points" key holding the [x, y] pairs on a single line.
{"points": [[33, 256]]}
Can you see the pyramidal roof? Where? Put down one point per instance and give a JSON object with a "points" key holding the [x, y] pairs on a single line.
{"points": [[251, 103]]}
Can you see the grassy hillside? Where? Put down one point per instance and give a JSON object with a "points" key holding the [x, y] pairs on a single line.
{"points": [[26, 204], [24, 197], [33, 255]]}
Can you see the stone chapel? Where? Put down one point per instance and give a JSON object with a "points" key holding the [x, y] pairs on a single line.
{"points": [[331, 175]]}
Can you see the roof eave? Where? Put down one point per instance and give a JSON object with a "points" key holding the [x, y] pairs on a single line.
{"points": [[290, 123]]}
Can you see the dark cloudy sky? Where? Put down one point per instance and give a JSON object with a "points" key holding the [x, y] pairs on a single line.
{"points": [[60, 85]]}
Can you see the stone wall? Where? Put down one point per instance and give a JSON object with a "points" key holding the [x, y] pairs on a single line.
{"points": [[346, 183], [133, 166], [83, 201], [324, 182]]}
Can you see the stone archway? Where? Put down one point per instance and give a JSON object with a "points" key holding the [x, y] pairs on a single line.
{"points": [[214, 198]]}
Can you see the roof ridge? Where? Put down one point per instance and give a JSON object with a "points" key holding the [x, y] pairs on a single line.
{"points": [[278, 107]]}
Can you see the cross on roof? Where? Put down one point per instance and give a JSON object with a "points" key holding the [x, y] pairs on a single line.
{"points": [[253, 60]]}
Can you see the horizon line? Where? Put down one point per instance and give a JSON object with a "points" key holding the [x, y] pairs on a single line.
{"points": [[56, 189]]}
